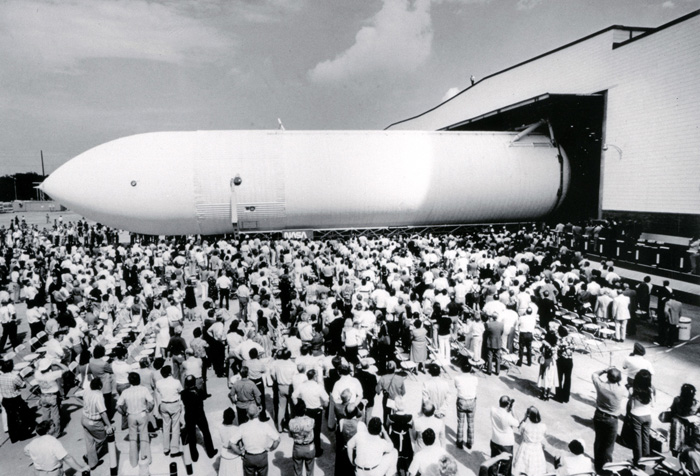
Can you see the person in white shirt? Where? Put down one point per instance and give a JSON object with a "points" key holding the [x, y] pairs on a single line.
{"points": [[48, 454], [503, 422], [428, 420], [575, 462], [425, 461], [170, 405], [636, 362], [466, 384], [526, 327], [509, 317], [371, 452], [621, 314]]}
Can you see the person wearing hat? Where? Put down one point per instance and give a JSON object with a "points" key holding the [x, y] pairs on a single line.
{"points": [[574, 462], [635, 362], [256, 439], [50, 399]]}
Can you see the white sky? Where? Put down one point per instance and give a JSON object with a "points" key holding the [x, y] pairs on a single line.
{"points": [[77, 73]]}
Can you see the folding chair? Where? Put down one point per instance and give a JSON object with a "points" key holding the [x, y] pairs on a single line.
{"points": [[510, 361], [593, 342], [407, 364]]}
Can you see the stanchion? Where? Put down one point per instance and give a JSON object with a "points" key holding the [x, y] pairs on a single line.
{"points": [[173, 469], [112, 450], [186, 456]]}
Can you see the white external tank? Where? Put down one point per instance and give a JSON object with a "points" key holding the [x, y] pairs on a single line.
{"points": [[212, 182]]}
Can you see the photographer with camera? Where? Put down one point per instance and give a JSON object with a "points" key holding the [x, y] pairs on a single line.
{"points": [[610, 393], [503, 422]]}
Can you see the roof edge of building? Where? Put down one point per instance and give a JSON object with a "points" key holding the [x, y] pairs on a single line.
{"points": [[647, 32]]}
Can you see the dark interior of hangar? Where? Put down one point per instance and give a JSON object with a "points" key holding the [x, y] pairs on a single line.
{"points": [[577, 125]]}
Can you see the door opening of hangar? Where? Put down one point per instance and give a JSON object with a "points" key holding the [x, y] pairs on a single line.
{"points": [[576, 122]]}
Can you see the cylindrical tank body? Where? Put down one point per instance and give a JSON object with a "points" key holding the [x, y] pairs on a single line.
{"points": [[212, 182]]}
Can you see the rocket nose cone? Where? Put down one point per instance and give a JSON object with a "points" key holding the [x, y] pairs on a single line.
{"points": [[58, 184]]}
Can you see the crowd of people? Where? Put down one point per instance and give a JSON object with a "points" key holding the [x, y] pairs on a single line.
{"points": [[307, 331]]}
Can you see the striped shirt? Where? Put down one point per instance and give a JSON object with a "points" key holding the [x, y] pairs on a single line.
{"points": [[93, 404], [10, 385], [137, 399]]}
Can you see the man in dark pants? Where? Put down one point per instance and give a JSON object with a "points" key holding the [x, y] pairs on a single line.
{"points": [[663, 295], [492, 337], [526, 327], [610, 394], [256, 440], [256, 372], [8, 319], [244, 393]]}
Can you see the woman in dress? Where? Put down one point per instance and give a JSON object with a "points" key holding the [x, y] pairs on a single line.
{"points": [[529, 458], [400, 424], [685, 405], [548, 381], [231, 463], [419, 344], [190, 301]]}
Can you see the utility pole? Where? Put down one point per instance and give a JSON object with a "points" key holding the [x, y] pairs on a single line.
{"points": [[14, 181]]}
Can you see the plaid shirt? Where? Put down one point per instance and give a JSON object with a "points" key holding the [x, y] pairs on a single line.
{"points": [[137, 399], [10, 385], [93, 404]]}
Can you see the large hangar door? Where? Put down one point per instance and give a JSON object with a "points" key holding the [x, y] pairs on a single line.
{"points": [[577, 123]]}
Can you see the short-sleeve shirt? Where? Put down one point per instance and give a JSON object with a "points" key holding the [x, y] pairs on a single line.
{"points": [[609, 395], [48, 381], [369, 449], [46, 452], [169, 389], [257, 436]]}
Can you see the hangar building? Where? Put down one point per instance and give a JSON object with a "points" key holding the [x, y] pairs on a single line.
{"points": [[623, 102]]}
